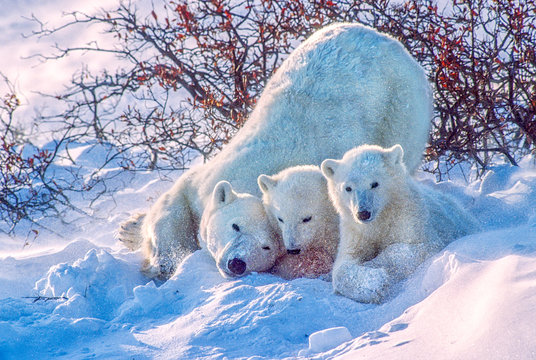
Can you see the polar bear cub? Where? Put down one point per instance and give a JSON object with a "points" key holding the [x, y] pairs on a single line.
{"points": [[389, 223], [297, 202], [235, 230]]}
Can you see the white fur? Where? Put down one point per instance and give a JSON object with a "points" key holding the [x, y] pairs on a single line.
{"points": [[345, 85], [389, 223], [234, 227], [297, 202]]}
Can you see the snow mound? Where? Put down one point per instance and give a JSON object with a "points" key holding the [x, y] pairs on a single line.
{"points": [[20, 271], [483, 311], [95, 286], [506, 195]]}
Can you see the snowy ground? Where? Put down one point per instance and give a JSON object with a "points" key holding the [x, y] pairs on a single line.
{"points": [[81, 296]]}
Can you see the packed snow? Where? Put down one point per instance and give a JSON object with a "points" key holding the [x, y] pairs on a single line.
{"points": [[81, 295]]}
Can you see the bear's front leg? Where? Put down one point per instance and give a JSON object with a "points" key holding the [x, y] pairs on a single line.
{"points": [[170, 234], [160, 248], [400, 259], [361, 283]]}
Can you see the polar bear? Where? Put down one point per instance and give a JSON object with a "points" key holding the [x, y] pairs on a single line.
{"points": [[235, 230], [297, 202], [345, 85], [389, 224]]}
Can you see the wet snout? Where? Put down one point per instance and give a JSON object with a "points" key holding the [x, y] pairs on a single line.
{"points": [[233, 259], [362, 207], [237, 266], [363, 215], [289, 238], [245, 254], [233, 266]]}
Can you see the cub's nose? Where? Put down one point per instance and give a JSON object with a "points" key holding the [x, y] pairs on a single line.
{"points": [[236, 266], [293, 251], [363, 215]]}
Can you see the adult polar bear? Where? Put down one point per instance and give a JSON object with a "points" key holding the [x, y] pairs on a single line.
{"points": [[344, 86]]}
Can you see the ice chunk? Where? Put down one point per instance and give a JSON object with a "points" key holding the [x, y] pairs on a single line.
{"points": [[327, 339]]}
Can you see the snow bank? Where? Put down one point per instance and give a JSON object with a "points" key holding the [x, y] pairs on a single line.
{"points": [[470, 301], [482, 309]]}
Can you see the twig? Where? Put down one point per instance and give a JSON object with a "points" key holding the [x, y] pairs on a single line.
{"points": [[45, 298]]}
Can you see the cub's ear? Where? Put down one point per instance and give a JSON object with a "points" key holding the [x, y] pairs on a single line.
{"points": [[328, 167], [395, 155], [266, 183], [223, 193]]}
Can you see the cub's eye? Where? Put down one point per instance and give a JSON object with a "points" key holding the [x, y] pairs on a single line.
{"points": [[348, 189], [280, 220], [307, 219], [236, 227], [374, 185], [266, 248]]}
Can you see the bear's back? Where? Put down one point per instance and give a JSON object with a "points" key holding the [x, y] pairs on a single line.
{"points": [[340, 88]]}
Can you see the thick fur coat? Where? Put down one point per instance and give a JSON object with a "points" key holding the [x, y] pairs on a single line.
{"points": [[389, 223], [344, 86], [297, 203]]}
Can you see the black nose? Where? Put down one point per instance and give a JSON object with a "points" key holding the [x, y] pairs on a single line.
{"points": [[363, 215], [293, 251], [236, 266]]}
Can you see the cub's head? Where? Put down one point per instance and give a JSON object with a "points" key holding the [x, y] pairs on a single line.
{"points": [[297, 201], [361, 182], [237, 232]]}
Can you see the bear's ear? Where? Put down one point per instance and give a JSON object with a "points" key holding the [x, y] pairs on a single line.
{"points": [[223, 193], [395, 154], [328, 167], [266, 183]]}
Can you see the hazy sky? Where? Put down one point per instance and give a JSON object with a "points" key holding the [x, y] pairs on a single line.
{"points": [[30, 75]]}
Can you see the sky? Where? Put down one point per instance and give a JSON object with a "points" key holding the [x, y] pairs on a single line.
{"points": [[17, 52]]}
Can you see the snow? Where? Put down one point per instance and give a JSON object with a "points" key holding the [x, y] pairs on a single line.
{"points": [[482, 308], [82, 296]]}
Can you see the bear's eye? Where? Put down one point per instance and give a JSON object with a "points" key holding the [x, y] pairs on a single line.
{"points": [[374, 185], [348, 189], [280, 220], [307, 219], [266, 248], [236, 227]]}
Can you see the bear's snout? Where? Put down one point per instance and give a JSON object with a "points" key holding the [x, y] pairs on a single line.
{"points": [[293, 251], [363, 215], [236, 266]]}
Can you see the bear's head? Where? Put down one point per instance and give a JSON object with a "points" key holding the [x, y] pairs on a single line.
{"points": [[237, 232], [297, 201], [361, 183]]}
